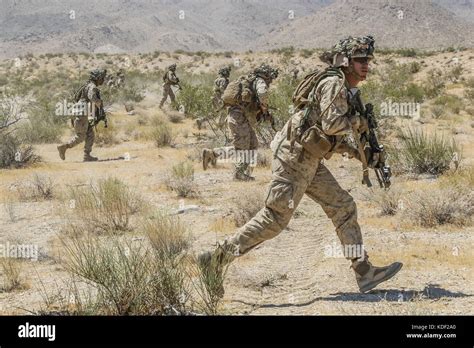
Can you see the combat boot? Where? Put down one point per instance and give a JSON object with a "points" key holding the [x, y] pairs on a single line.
{"points": [[242, 172], [369, 276], [239, 176], [213, 265], [89, 158], [62, 151], [208, 156]]}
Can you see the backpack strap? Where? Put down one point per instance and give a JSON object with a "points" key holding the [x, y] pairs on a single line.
{"points": [[298, 132]]}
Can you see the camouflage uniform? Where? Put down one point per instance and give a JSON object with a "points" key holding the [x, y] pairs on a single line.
{"points": [[170, 80], [220, 84], [296, 171], [241, 120], [292, 177], [83, 128]]}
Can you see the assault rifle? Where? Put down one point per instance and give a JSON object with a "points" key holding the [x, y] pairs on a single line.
{"points": [[376, 151]]}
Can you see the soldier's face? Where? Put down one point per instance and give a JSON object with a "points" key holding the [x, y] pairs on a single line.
{"points": [[361, 67], [100, 82]]}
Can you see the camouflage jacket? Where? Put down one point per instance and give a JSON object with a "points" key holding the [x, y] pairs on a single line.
{"points": [[334, 123], [220, 84], [171, 78], [91, 94], [260, 88]]}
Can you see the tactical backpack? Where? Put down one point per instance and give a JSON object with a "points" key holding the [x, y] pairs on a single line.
{"points": [[311, 137], [79, 92], [238, 91], [301, 95]]}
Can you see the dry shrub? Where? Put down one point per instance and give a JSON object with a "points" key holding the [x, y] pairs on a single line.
{"points": [[12, 274], [448, 205], [106, 206], [181, 180], [40, 187], [247, 204]]}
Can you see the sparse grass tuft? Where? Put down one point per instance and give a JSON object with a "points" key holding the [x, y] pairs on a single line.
{"points": [[11, 270], [41, 187], [388, 202], [181, 180], [105, 207]]}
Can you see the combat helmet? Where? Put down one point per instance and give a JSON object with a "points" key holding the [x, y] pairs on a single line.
{"points": [[97, 74], [346, 49], [266, 72], [225, 72]]}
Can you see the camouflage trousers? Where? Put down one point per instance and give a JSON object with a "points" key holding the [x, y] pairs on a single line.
{"points": [[167, 91], [84, 131], [243, 139], [285, 192]]}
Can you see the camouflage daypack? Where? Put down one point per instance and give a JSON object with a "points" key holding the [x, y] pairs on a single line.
{"points": [[301, 95], [310, 136], [79, 92], [238, 91]]}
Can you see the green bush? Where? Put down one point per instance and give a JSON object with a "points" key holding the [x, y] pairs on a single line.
{"points": [[434, 83], [395, 84], [420, 153], [280, 98], [407, 52], [306, 53], [451, 102], [196, 94], [154, 275], [129, 278], [415, 67], [162, 135]]}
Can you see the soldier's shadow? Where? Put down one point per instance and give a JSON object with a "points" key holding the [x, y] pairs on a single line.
{"points": [[119, 158], [430, 292]]}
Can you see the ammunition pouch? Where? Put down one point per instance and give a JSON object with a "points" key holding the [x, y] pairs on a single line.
{"points": [[316, 142]]}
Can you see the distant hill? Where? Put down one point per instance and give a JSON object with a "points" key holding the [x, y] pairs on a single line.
{"points": [[237, 25], [398, 24]]}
